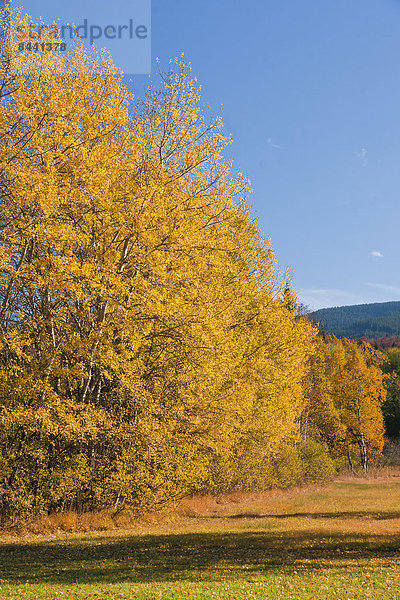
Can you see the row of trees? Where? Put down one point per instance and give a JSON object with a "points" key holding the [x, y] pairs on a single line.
{"points": [[150, 346]]}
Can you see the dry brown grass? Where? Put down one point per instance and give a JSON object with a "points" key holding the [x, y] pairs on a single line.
{"points": [[64, 522], [374, 473]]}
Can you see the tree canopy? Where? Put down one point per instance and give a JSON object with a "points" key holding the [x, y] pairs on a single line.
{"points": [[150, 345]]}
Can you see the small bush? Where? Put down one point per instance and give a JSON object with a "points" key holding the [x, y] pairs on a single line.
{"points": [[317, 463], [287, 467]]}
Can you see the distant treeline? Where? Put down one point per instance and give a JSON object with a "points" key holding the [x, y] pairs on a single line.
{"points": [[361, 320]]}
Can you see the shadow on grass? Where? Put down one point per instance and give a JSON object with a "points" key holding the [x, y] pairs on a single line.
{"points": [[355, 514], [156, 558]]}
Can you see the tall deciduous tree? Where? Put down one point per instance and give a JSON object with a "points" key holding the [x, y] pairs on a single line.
{"points": [[147, 335]]}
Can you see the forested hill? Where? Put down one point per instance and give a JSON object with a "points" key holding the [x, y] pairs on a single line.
{"points": [[370, 320]]}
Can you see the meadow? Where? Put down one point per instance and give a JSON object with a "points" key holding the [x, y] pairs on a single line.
{"points": [[338, 541]]}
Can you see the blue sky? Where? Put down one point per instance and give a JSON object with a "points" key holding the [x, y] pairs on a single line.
{"points": [[310, 90]]}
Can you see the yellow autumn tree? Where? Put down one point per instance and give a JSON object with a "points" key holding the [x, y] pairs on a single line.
{"points": [[321, 418], [149, 342], [345, 390], [361, 393]]}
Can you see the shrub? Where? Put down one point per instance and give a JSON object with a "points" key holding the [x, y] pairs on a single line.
{"points": [[287, 467], [317, 463]]}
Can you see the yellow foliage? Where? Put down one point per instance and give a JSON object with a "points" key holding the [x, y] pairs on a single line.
{"points": [[345, 390], [150, 344]]}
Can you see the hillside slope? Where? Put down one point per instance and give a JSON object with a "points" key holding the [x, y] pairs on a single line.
{"points": [[369, 320]]}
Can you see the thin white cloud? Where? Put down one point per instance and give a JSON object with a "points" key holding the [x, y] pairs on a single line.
{"points": [[362, 155], [317, 298], [325, 298], [384, 287], [271, 142], [376, 254]]}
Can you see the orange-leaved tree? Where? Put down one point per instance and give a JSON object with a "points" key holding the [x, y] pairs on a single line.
{"points": [[345, 390]]}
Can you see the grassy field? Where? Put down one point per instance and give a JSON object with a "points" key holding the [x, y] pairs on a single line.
{"points": [[341, 541]]}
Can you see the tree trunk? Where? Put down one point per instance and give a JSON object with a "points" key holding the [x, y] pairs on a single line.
{"points": [[349, 456]]}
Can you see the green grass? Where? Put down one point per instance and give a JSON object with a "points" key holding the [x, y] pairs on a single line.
{"points": [[337, 542]]}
